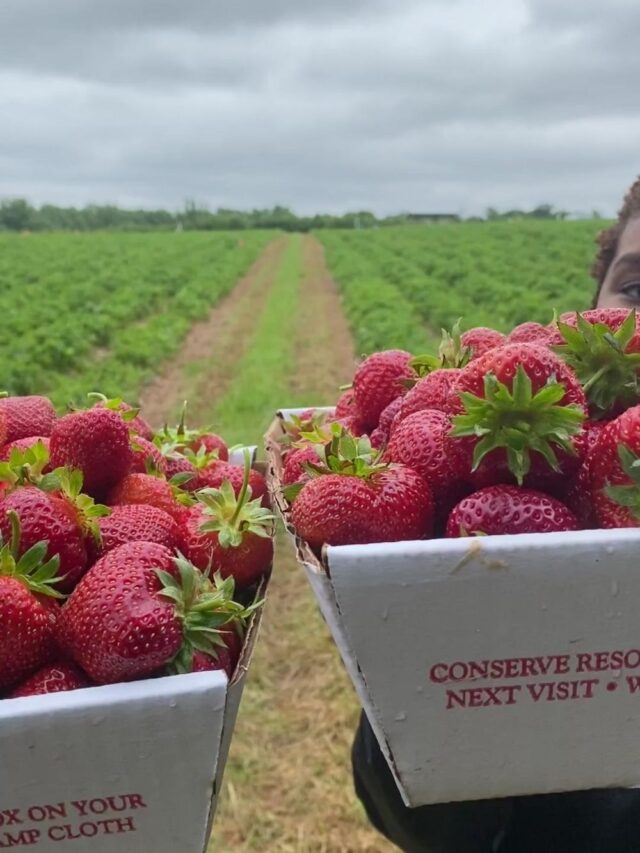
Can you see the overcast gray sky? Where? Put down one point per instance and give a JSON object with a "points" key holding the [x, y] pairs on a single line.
{"points": [[424, 105]]}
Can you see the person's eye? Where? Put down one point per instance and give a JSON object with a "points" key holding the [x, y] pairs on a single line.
{"points": [[631, 290]]}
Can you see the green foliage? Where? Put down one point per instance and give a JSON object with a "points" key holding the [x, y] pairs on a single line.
{"points": [[401, 285], [104, 310]]}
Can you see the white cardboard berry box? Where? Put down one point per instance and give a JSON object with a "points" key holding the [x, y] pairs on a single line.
{"points": [[491, 666], [131, 767]]}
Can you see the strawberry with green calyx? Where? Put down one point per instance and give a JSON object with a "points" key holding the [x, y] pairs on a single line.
{"points": [[28, 608], [182, 438], [215, 474], [55, 678], [141, 608], [452, 354], [615, 472], [226, 655], [155, 490], [231, 533], [24, 461], [25, 417], [146, 456], [354, 497], [602, 346], [95, 441], [518, 410], [500, 510], [60, 511], [294, 468], [295, 427], [129, 414], [220, 647]]}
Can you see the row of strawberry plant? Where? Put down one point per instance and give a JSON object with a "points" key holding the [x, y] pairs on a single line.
{"points": [[106, 309], [495, 274]]}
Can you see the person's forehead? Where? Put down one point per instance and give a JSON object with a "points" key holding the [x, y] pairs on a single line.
{"points": [[630, 238]]}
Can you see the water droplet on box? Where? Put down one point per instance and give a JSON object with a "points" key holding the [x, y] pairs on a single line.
{"points": [[610, 549], [544, 606], [615, 588], [385, 614], [401, 717], [173, 704], [420, 688]]}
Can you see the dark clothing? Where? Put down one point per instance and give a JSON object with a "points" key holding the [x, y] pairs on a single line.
{"points": [[605, 821]]}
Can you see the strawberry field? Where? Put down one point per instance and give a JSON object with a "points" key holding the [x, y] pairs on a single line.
{"points": [[240, 325], [400, 285], [107, 309]]}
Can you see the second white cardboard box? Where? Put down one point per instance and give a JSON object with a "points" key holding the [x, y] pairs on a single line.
{"points": [[489, 667]]}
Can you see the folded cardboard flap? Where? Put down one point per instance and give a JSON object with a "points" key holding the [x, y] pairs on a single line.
{"points": [[490, 667]]}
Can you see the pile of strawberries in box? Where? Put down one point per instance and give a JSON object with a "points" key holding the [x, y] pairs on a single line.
{"points": [[535, 431], [125, 554]]}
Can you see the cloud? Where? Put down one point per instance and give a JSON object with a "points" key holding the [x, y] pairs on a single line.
{"points": [[381, 104]]}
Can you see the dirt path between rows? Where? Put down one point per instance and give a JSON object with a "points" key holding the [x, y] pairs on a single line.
{"points": [[324, 354], [210, 346]]}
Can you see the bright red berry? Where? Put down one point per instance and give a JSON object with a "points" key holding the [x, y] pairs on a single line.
{"points": [[480, 340], [378, 381], [27, 416], [96, 442], [504, 509], [135, 522]]}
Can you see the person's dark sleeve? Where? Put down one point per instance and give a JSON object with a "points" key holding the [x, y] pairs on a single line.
{"points": [[470, 827], [598, 821]]}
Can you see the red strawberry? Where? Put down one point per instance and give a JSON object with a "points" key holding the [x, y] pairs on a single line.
{"points": [[481, 340], [431, 392], [214, 475], [520, 407], [96, 442], [225, 656], [346, 405], [211, 443], [422, 442], [615, 478], [294, 471], [151, 490], [531, 333], [27, 416], [577, 494], [22, 444], [135, 522], [603, 348], [145, 455], [391, 505], [508, 509], [54, 678], [361, 499], [380, 435], [378, 381], [139, 609], [131, 415], [28, 610], [176, 464], [63, 520], [232, 534]]}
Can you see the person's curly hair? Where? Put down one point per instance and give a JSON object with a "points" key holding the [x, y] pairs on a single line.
{"points": [[608, 239]]}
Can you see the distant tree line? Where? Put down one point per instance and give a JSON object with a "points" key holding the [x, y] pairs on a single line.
{"points": [[17, 214]]}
